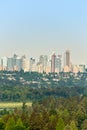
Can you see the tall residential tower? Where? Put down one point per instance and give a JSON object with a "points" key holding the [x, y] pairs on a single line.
{"points": [[53, 61], [67, 61], [67, 58]]}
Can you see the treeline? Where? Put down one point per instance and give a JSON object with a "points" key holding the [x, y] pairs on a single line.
{"points": [[33, 86], [48, 114], [17, 93]]}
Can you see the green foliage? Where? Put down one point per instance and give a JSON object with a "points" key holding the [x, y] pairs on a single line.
{"points": [[2, 125], [52, 122], [67, 127], [58, 101], [19, 128], [49, 114], [20, 86], [60, 125], [73, 125], [10, 125], [84, 125], [19, 122]]}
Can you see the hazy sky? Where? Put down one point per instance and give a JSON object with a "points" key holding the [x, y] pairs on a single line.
{"points": [[35, 27]]}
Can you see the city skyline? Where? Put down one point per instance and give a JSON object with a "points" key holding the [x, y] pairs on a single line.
{"points": [[42, 27], [65, 56], [36, 57], [45, 63]]}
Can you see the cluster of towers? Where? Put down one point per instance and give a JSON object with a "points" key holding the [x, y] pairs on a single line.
{"points": [[44, 64], [14, 63], [56, 62]]}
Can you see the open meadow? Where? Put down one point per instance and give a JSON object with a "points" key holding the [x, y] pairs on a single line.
{"points": [[13, 104]]}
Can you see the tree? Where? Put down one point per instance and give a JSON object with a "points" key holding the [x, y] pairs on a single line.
{"points": [[67, 127], [73, 125], [84, 125], [52, 122], [2, 125], [10, 124], [60, 125], [19, 125]]}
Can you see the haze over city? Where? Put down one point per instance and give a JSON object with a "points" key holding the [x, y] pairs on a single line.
{"points": [[42, 27]]}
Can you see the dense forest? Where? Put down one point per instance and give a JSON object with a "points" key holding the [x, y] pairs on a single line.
{"points": [[32, 86], [59, 101], [48, 114]]}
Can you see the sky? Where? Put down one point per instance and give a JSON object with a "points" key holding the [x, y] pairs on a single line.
{"points": [[35, 27]]}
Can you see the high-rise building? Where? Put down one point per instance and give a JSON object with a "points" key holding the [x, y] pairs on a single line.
{"points": [[14, 63], [32, 65], [1, 64], [43, 60], [67, 58], [18, 65], [25, 64], [4, 63], [58, 63], [53, 61], [10, 64], [14, 59], [48, 67]]}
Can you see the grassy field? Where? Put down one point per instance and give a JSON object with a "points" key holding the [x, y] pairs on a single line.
{"points": [[13, 104]]}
